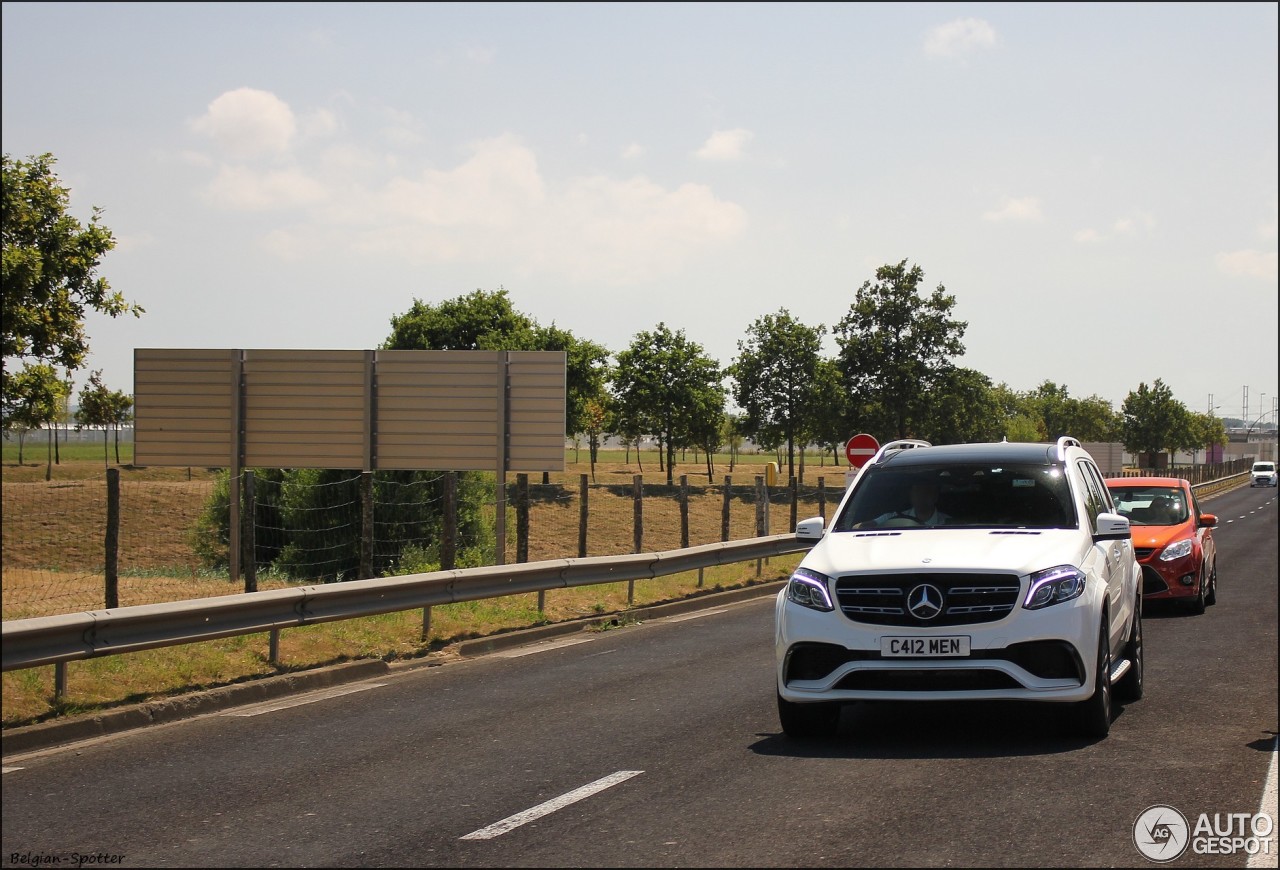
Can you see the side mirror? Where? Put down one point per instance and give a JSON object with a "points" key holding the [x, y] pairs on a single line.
{"points": [[1112, 527], [810, 529], [1208, 519]]}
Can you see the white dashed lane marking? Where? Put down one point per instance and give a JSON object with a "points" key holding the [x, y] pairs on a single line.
{"points": [[497, 829]]}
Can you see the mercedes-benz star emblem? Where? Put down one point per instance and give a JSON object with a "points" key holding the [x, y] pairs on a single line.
{"points": [[925, 601]]}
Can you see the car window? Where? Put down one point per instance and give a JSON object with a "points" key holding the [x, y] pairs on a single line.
{"points": [[1264, 466], [1151, 506], [971, 494], [1096, 499]]}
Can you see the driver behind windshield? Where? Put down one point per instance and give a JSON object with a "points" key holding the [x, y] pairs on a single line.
{"points": [[924, 506]]}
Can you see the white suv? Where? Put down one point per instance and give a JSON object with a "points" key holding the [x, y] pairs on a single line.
{"points": [[1263, 474], [1020, 583]]}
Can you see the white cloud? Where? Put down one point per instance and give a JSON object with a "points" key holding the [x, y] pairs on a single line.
{"points": [[1267, 229], [725, 144], [494, 188], [1087, 236], [959, 37], [1248, 264], [621, 232], [248, 123], [633, 151], [237, 187], [1025, 209]]}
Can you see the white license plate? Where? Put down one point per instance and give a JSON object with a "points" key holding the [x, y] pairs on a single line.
{"points": [[924, 647]]}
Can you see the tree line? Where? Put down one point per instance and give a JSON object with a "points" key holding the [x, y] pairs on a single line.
{"points": [[894, 374]]}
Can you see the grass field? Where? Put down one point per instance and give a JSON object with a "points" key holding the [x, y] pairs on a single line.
{"points": [[95, 684]]}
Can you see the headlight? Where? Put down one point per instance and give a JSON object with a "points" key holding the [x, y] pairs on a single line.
{"points": [[1176, 551], [809, 589], [1054, 586]]}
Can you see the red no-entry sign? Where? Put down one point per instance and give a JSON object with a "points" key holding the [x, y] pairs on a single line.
{"points": [[860, 449]]}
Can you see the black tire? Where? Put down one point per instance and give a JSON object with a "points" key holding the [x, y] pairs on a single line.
{"points": [[802, 721], [1129, 688], [1212, 597], [1093, 716]]}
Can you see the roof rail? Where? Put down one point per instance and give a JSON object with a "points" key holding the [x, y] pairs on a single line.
{"points": [[1063, 443], [896, 446]]}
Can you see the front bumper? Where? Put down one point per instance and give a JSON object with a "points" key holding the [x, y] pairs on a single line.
{"points": [[1034, 655]]}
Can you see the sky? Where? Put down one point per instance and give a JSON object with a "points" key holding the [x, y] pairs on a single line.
{"points": [[1094, 184]]}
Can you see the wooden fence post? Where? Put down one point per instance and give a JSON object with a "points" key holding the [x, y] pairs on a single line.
{"points": [[762, 515], [684, 511], [582, 516], [637, 500], [449, 531], [795, 499], [724, 511], [522, 518], [822, 499], [111, 594], [366, 525], [248, 533]]}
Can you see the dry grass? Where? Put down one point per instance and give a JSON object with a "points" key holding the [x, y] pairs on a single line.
{"points": [[53, 564]]}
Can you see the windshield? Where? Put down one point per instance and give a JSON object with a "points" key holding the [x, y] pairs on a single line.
{"points": [[1150, 505], [1264, 466], [972, 495]]}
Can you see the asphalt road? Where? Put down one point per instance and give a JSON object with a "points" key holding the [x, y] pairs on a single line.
{"points": [[658, 745]]}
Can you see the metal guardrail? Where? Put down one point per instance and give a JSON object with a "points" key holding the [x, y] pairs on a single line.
{"points": [[44, 640], [47, 640]]}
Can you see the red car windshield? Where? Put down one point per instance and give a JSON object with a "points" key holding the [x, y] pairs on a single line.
{"points": [[1150, 506]]}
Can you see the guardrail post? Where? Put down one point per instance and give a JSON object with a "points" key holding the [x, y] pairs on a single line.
{"points": [[273, 648], [582, 516], [111, 594]]}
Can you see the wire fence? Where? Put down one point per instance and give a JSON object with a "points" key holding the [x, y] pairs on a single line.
{"points": [[59, 557], [67, 550]]}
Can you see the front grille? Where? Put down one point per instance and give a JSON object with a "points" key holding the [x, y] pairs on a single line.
{"points": [[1152, 582], [1046, 659], [1143, 552], [881, 599]]}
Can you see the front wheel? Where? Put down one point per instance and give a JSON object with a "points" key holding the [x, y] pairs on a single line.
{"points": [[1212, 597], [808, 720], [1130, 686], [1093, 716]]}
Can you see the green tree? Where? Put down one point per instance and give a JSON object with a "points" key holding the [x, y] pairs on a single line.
{"points": [[50, 263], [895, 348], [488, 321], [1086, 419], [595, 423], [34, 403], [964, 409], [1207, 432], [1153, 420], [121, 415], [96, 409], [665, 386], [775, 380], [829, 417]]}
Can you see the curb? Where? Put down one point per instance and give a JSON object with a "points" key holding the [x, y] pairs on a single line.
{"points": [[73, 729]]}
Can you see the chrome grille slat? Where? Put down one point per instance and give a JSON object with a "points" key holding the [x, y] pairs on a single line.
{"points": [[880, 599]]}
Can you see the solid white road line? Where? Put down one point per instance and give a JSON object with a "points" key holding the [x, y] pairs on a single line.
{"points": [[544, 646], [497, 829], [324, 695], [1268, 857]]}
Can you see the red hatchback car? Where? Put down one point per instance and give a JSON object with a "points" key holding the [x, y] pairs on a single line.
{"points": [[1172, 539]]}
